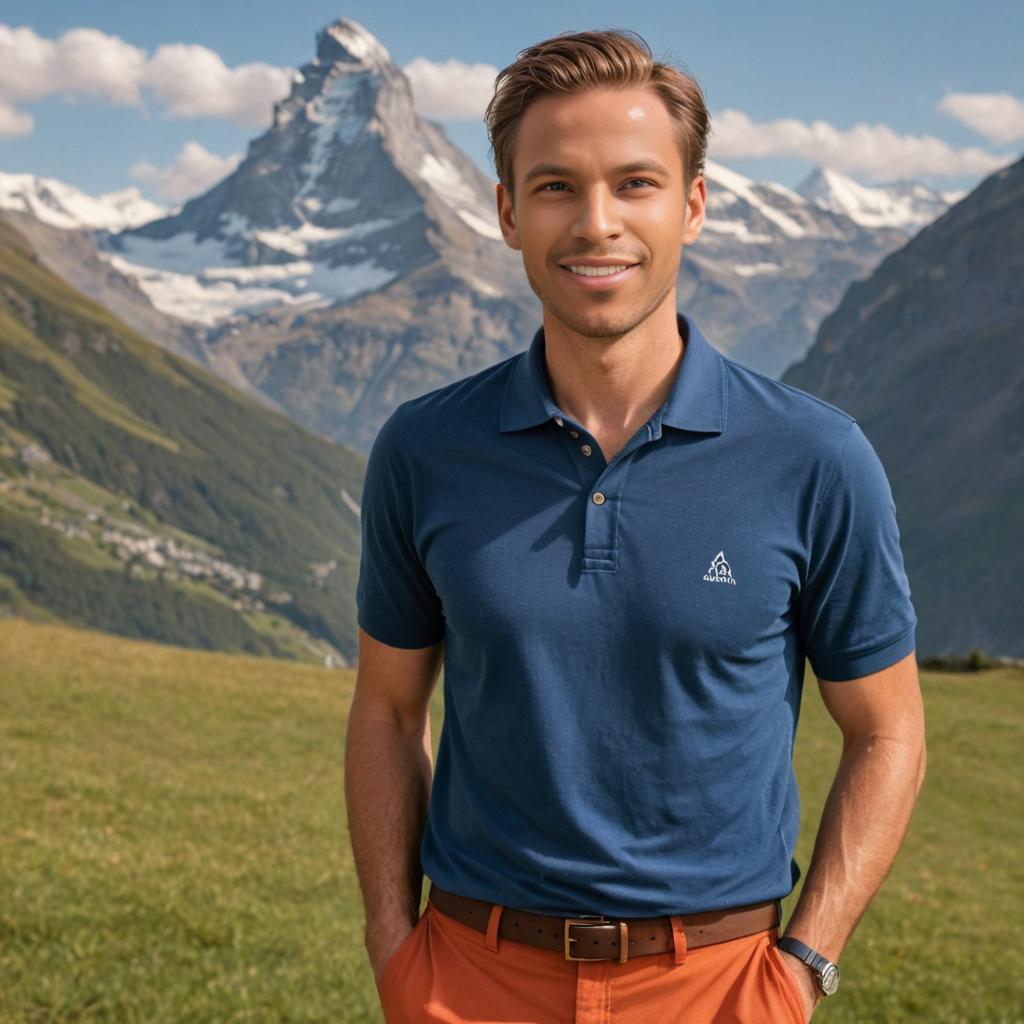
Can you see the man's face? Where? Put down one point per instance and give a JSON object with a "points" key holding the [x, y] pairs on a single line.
{"points": [[598, 178]]}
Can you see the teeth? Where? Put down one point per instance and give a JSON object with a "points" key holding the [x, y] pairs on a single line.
{"points": [[597, 271]]}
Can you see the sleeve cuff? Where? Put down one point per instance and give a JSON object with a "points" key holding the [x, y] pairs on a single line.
{"points": [[407, 637], [854, 664]]}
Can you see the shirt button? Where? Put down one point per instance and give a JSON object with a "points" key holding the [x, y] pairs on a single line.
{"points": [[586, 449], [597, 498], [560, 421], [574, 433]]}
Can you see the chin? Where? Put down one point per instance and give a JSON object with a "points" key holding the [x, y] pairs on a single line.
{"points": [[599, 322]]}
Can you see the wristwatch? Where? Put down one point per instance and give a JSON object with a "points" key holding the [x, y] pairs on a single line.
{"points": [[825, 971]]}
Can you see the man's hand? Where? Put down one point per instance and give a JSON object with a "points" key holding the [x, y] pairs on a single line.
{"points": [[381, 945], [812, 994]]}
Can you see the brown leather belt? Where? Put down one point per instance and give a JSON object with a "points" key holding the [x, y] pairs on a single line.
{"points": [[597, 937]]}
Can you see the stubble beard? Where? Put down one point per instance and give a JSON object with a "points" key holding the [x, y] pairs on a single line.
{"points": [[615, 321]]}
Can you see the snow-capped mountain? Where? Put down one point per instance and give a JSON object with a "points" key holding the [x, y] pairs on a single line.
{"points": [[907, 205], [770, 265], [64, 206], [348, 191]]}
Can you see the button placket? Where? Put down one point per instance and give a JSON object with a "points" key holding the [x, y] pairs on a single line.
{"points": [[600, 547], [605, 487], [587, 467]]}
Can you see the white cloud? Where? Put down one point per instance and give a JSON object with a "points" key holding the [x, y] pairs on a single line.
{"points": [[996, 115], [187, 81], [82, 62], [451, 90], [13, 122], [192, 81], [192, 171], [873, 150]]}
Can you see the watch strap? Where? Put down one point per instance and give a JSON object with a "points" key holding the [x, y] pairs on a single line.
{"points": [[817, 963]]}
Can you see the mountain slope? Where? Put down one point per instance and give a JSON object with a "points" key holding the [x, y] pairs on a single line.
{"points": [[927, 354], [141, 495], [71, 254]]}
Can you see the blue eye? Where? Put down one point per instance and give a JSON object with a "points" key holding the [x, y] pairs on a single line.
{"points": [[629, 181]]}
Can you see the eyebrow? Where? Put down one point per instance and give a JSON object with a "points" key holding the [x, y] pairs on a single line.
{"points": [[542, 170]]}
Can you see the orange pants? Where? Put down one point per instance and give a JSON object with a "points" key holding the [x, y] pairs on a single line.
{"points": [[445, 972]]}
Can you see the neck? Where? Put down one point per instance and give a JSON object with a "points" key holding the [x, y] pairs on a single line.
{"points": [[612, 384]]}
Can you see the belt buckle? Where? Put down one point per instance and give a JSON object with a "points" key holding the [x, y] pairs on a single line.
{"points": [[583, 920]]}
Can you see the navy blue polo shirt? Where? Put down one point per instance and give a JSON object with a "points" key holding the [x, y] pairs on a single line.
{"points": [[624, 640]]}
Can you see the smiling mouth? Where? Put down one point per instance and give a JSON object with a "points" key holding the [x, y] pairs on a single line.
{"points": [[581, 270], [600, 279]]}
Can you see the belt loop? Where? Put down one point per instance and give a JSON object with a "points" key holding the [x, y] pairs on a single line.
{"points": [[491, 940], [678, 938]]}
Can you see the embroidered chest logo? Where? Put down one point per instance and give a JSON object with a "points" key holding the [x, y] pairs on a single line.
{"points": [[720, 571]]}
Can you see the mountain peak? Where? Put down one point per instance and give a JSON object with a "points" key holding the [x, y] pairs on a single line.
{"points": [[347, 42], [906, 204], [346, 192]]}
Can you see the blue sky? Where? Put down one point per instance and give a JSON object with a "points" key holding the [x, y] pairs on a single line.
{"points": [[879, 90]]}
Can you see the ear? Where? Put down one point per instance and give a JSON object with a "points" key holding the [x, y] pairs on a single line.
{"points": [[507, 217], [695, 209]]}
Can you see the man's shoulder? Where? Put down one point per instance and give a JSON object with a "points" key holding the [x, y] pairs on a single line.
{"points": [[767, 406], [462, 404]]}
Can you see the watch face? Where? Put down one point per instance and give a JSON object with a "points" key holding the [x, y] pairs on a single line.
{"points": [[830, 979]]}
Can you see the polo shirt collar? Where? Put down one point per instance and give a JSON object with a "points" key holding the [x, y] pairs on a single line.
{"points": [[696, 401]]}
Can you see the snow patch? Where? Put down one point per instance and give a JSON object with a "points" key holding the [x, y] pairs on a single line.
{"points": [[282, 241], [339, 205], [216, 293], [484, 287], [738, 229], [361, 44], [297, 241], [751, 269], [480, 225], [744, 188], [234, 224], [335, 117], [260, 272], [444, 178]]}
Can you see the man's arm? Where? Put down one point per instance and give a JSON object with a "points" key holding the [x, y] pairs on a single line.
{"points": [[388, 773], [868, 809]]}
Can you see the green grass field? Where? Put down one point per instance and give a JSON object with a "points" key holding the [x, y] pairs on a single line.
{"points": [[173, 845]]}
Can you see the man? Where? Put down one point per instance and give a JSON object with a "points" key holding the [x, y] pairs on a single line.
{"points": [[623, 545]]}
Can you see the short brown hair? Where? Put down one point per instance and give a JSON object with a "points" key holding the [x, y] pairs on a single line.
{"points": [[574, 61]]}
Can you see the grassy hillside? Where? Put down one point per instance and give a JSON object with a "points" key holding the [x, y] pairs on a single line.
{"points": [[174, 848], [142, 495]]}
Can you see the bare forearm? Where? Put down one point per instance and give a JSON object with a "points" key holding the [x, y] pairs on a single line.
{"points": [[863, 824], [388, 773]]}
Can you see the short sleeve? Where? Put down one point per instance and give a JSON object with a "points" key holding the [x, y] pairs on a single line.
{"points": [[396, 603], [856, 616]]}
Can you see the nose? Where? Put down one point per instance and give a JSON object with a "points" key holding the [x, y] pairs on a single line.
{"points": [[597, 216]]}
